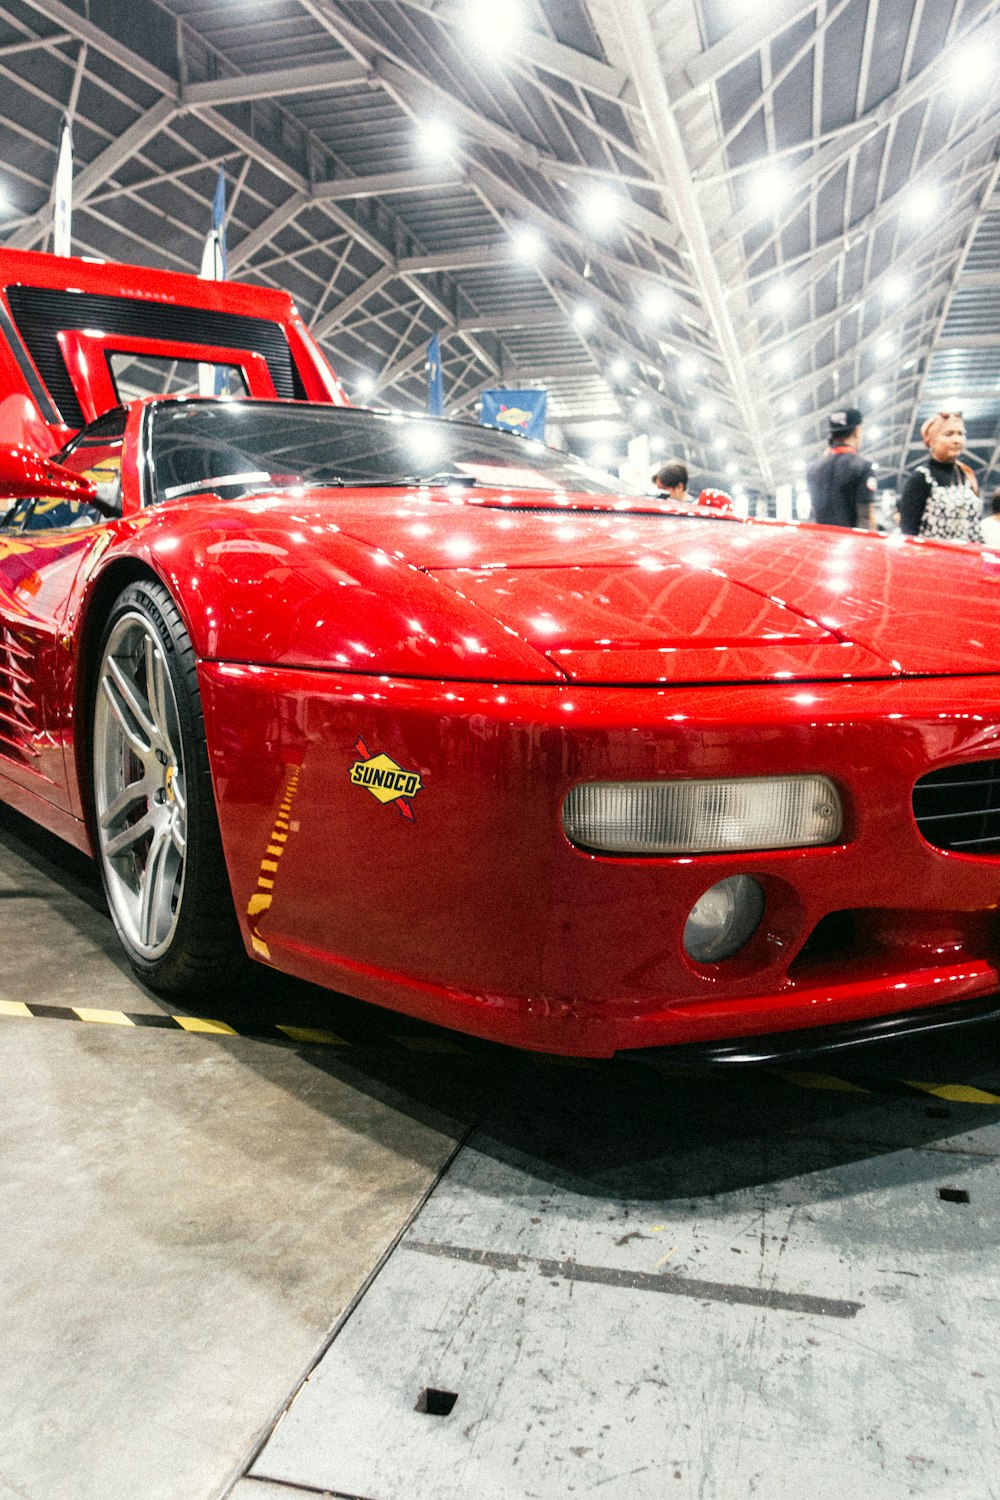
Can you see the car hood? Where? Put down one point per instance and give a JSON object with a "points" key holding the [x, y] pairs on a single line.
{"points": [[614, 595]]}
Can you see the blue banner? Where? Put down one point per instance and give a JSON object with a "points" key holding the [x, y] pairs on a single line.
{"points": [[517, 411], [435, 382], [219, 219]]}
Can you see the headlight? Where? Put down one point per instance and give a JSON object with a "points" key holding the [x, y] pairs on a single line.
{"points": [[723, 919], [703, 817]]}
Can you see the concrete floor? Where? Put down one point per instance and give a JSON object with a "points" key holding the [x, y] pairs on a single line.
{"points": [[497, 1276]]}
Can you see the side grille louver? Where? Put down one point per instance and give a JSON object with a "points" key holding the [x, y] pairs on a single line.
{"points": [[959, 808], [18, 717]]}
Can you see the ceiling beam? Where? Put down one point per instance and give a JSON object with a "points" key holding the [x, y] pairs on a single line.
{"points": [[382, 184], [278, 84], [639, 47], [354, 300], [703, 69]]}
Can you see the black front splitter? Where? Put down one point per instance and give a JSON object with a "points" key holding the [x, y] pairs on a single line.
{"points": [[816, 1043]]}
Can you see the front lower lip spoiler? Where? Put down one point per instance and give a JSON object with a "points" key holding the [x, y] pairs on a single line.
{"points": [[819, 1042]]}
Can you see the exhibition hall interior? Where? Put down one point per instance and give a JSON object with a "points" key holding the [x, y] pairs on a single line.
{"points": [[499, 749]]}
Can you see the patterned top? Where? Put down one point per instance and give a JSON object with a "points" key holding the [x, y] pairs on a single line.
{"points": [[939, 501]]}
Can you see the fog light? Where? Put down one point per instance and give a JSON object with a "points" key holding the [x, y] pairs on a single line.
{"points": [[703, 817], [723, 919]]}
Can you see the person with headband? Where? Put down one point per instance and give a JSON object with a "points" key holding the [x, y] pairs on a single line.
{"points": [[941, 496]]}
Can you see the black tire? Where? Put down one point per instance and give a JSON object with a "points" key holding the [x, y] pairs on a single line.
{"points": [[155, 824]]}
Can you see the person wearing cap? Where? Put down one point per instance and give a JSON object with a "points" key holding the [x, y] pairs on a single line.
{"points": [[841, 483], [941, 497]]}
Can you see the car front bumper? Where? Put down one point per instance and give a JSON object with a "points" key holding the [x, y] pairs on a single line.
{"points": [[465, 904]]}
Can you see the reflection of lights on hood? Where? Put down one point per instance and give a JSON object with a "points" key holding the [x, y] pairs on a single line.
{"points": [[544, 624], [460, 546]]}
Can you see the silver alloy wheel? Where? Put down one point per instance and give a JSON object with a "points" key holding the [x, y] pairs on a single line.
{"points": [[140, 787]]}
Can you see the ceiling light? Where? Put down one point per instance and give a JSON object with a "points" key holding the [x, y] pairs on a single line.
{"points": [[782, 360], [722, 444], [920, 205], [654, 306], [527, 244], [618, 368], [601, 455], [707, 410], [601, 207], [884, 348], [874, 432], [896, 288], [583, 317], [688, 369], [437, 139], [732, 469], [970, 68], [364, 386], [780, 294], [789, 407], [769, 187], [480, 24], [877, 395], [792, 440], [656, 444], [642, 408]]}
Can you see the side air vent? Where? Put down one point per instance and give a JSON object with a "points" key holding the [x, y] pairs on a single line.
{"points": [[41, 312], [18, 724], [959, 808]]}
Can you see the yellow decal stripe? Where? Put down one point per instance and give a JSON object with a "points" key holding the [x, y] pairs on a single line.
{"points": [[13, 1008], [258, 904]]}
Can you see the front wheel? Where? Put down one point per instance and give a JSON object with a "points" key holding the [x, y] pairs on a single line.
{"points": [[157, 832]]}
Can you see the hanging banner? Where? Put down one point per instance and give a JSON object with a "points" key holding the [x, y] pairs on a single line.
{"points": [[517, 411], [435, 378], [213, 381], [213, 257], [63, 202]]}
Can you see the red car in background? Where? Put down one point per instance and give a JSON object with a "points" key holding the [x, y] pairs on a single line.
{"points": [[445, 720]]}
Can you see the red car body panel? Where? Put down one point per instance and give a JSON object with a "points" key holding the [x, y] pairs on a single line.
{"points": [[495, 649]]}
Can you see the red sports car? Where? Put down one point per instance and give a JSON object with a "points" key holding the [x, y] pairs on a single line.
{"points": [[430, 715]]}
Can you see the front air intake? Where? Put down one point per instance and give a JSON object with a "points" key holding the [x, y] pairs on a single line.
{"points": [[959, 808]]}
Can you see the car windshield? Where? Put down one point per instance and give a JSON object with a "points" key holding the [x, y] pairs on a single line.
{"points": [[236, 448]]}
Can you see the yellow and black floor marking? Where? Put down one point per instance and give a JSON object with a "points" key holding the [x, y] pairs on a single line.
{"points": [[206, 1026], [261, 899], [444, 1045]]}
